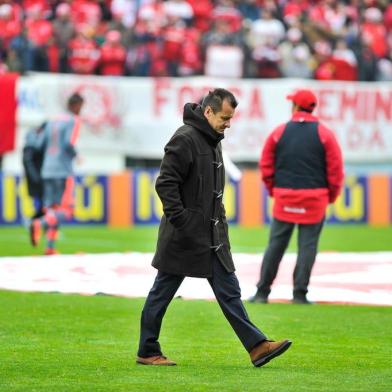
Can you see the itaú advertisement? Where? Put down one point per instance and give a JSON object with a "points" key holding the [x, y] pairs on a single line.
{"points": [[90, 198], [364, 200]]}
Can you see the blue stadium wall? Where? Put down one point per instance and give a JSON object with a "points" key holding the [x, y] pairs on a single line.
{"points": [[129, 198]]}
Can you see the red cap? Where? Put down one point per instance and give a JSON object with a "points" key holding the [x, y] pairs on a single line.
{"points": [[304, 99]]}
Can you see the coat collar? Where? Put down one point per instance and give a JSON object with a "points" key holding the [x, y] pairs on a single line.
{"points": [[303, 117], [193, 116]]}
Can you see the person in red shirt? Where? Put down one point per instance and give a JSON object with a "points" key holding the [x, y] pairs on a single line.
{"points": [[302, 169], [202, 12], [40, 34], [173, 36], [39, 30], [43, 5], [375, 32], [85, 13], [113, 55], [9, 27], [190, 62], [83, 54]]}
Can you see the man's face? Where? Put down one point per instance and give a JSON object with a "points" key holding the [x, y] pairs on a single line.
{"points": [[76, 108], [219, 121]]}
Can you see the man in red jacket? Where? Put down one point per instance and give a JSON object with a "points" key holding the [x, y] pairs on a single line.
{"points": [[301, 166]]}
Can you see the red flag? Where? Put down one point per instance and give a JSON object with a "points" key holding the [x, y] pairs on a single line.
{"points": [[7, 112]]}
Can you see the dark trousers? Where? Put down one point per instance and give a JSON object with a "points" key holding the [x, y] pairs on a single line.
{"points": [[227, 292], [280, 234]]}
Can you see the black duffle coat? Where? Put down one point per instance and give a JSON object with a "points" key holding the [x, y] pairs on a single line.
{"points": [[190, 185]]}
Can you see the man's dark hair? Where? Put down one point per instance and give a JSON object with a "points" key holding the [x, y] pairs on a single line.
{"points": [[215, 98], [74, 99]]}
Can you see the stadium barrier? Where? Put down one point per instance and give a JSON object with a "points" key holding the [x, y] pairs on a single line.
{"points": [[129, 198]]}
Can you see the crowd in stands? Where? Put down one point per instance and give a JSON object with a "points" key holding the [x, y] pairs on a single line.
{"points": [[320, 39]]}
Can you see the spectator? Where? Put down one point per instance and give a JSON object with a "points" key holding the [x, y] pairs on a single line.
{"points": [[173, 35], [202, 14], [150, 31], [9, 27], [367, 60], [329, 16], [294, 11], [221, 34], [31, 5], [339, 64], [295, 56], [178, 10], [267, 59], [39, 32], [63, 31], [124, 11], [190, 62], [343, 52], [225, 10], [222, 43], [23, 49], [250, 10], [13, 62], [384, 69], [267, 30], [112, 55], [85, 14], [374, 32], [83, 53]]}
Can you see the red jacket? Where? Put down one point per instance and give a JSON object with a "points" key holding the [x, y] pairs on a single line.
{"points": [[301, 166], [83, 55], [112, 59]]}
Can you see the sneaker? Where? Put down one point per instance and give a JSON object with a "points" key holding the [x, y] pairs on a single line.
{"points": [[35, 232], [258, 299]]}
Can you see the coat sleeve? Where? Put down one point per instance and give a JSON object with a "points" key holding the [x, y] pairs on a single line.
{"points": [[174, 170], [334, 162], [267, 159]]}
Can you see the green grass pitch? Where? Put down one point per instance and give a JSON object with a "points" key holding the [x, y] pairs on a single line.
{"points": [[14, 241], [54, 342]]}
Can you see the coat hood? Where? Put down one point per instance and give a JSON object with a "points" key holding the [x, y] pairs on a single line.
{"points": [[194, 117]]}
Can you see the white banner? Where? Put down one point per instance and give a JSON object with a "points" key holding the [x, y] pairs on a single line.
{"points": [[136, 116]]}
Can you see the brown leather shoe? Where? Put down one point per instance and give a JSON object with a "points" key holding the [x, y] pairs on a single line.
{"points": [[267, 350], [158, 360]]}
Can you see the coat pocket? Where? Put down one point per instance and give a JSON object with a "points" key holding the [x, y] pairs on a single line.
{"points": [[192, 233]]}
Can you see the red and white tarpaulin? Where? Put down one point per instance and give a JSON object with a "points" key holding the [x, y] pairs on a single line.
{"points": [[137, 116], [358, 278]]}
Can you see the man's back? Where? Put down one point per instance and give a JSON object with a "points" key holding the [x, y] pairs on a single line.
{"points": [[300, 157]]}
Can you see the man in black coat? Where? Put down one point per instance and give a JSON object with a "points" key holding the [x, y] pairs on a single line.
{"points": [[193, 235]]}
